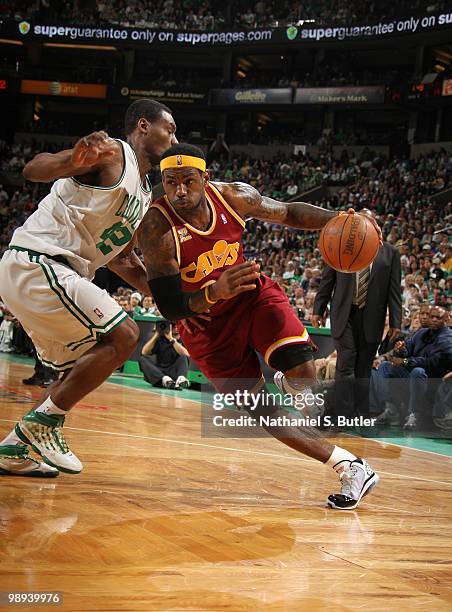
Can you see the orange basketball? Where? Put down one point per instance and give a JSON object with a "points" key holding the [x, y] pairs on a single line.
{"points": [[349, 243]]}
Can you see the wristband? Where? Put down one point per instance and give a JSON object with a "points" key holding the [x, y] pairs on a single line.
{"points": [[206, 295]]}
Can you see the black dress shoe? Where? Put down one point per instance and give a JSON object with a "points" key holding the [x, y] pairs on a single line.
{"points": [[33, 380]]}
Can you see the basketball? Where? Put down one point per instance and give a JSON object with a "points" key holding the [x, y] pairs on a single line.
{"points": [[349, 243]]}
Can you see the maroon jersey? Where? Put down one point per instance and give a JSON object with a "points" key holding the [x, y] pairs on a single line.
{"points": [[258, 320], [204, 255]]}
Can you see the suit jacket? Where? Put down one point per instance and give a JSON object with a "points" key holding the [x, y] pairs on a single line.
{"points": [[430, 349], [383, 291]]}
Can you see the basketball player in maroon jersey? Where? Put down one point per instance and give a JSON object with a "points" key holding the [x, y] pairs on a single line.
{"points": [[191, 242]]}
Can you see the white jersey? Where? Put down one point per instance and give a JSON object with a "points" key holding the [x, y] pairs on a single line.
{"points": [[88, 225]]}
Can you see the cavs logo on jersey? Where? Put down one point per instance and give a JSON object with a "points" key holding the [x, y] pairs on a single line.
{"points": [[184, 234], [222, 254]]}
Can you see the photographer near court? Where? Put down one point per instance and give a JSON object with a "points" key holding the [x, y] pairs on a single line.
{"points": [[164, 359]]}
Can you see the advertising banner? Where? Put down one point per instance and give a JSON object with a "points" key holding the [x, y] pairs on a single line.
{"points": [[226, 97], [162, 94], [58, 88], [302, 32], [340, 95]]}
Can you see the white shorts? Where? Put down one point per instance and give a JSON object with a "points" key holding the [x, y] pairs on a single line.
{"points": [[62, 312]]}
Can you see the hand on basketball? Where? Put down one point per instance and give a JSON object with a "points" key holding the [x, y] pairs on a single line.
{"points": [[235, 280], [93, 149], [367, 213]]}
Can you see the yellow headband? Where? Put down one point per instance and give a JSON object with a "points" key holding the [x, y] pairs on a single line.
{"points": [[183, 161]]}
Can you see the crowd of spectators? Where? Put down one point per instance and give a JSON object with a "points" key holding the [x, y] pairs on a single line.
{"points": [[397, 190], [273, 13], [213, 14], [165, 14], [327, 75]]}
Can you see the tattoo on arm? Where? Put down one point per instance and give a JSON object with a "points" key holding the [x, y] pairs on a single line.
{"points": [[248, 202], [157, 245]]}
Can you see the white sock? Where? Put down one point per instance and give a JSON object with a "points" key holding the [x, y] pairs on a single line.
{"points": [[11, 438], [338, 456], [295, 387], [48, 407]]}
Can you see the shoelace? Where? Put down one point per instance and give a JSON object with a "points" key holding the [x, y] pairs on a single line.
{"points": [[60, 439], [346, 477]]}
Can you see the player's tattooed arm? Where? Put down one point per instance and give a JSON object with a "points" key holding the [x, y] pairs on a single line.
{"points": [[159, 252], [249, 203], [157, 245], [96, 157]]}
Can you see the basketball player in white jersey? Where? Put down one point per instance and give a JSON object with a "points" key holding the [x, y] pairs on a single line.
{"points": [[89, 219]]}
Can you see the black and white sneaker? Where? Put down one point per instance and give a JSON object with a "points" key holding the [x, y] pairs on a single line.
{"points": [[357, 480]]}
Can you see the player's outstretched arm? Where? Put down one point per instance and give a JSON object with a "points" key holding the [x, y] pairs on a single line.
{"points": [[248, 202], [89, 155], [157, 245]]}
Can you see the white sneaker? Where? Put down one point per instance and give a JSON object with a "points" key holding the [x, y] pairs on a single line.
{"points": [[168, 383], [16, 461], [279, 381], [411, 421], [44, 433], [182, 382], [357, 481]]}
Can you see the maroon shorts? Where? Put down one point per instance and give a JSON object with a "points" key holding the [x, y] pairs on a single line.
{"points": [[261, 320]]}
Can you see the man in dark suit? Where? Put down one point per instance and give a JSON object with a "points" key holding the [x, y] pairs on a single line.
{"points": [[359, 302]]}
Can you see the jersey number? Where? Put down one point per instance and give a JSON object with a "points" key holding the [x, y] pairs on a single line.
{"points": [[117, 234]]}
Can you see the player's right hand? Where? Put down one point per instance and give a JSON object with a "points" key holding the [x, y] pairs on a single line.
{"points": [[317, 320], [235, 280], [93, 149]]}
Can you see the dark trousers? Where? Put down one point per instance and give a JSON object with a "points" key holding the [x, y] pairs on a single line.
{"points": [[154, 373], [409, 386], [355, 356]]}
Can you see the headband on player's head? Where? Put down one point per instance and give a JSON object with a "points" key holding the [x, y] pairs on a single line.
{"points": [[183, 161]]}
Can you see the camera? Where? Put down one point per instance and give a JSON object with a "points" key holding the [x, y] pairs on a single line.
{"points": [[163, 327]]}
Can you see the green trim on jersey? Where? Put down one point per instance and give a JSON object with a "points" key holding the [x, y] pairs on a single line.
{"points": [[112, 186], [90, 324], [60, 367], [146, 176]]}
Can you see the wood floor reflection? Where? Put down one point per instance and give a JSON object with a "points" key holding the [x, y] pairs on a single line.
{"points": [[164, 519]]}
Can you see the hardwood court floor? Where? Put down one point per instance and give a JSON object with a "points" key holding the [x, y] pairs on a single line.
{"points": [[162, 519]]}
